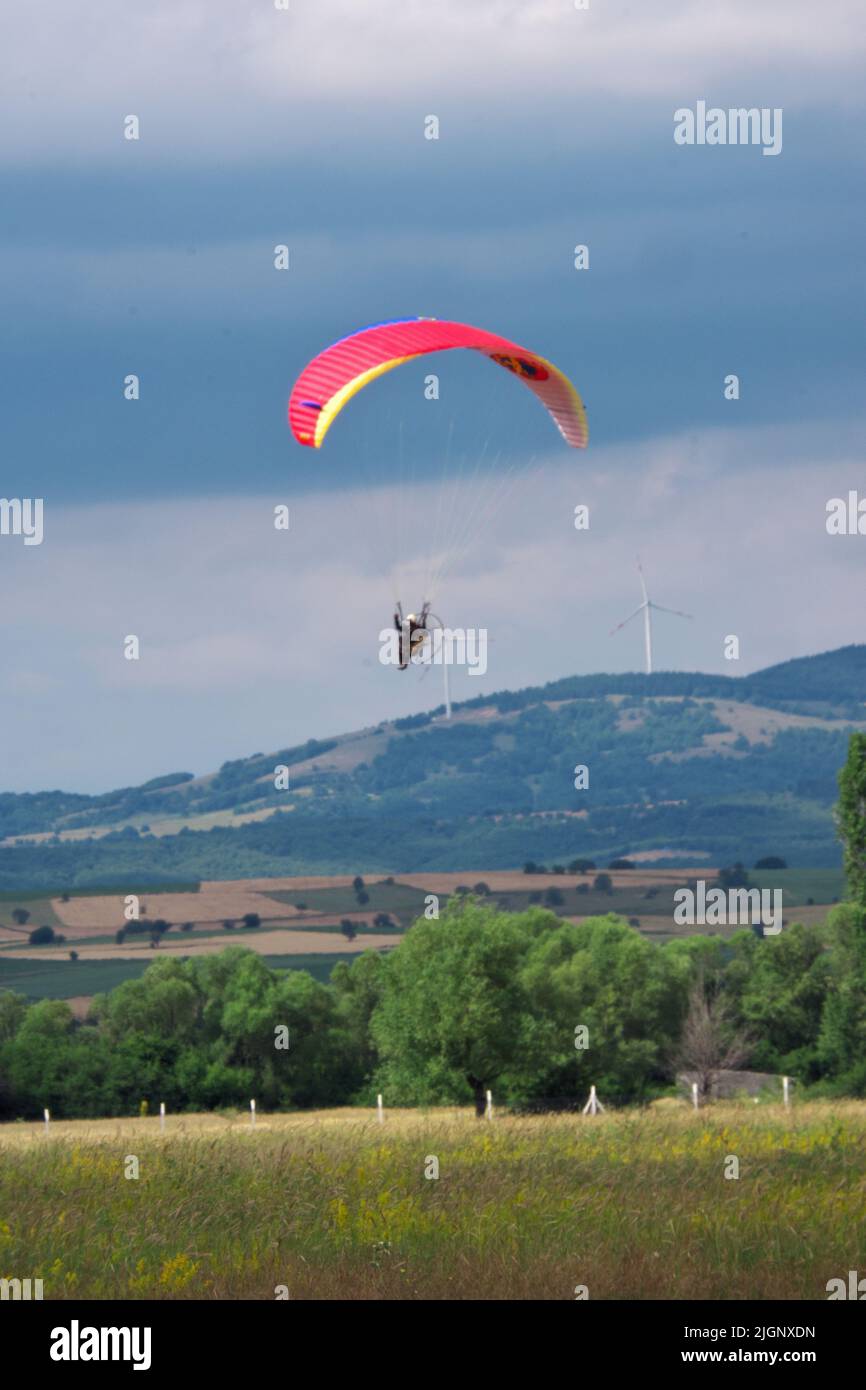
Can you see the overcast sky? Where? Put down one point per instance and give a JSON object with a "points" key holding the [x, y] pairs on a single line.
{"points": [[306, 127]]}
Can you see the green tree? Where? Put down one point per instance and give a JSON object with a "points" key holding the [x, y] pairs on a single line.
{"points": [[733, 876], [454, 1015], [602, 976], [259, 1004], [851, 816], [357, 987], [38, 1061], [211, 977], [140, 1063], [842, 1041], [777, 987], [13, 1007], [163, 1003]]}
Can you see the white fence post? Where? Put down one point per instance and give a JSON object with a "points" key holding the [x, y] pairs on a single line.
{"points": [[786, 1092], [47, 1114], [489, 1110], [695, 1094], [593, 1105], [379, 1110], [162, 1115], [252, 1114]]}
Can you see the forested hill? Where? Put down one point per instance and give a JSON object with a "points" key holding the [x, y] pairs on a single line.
{"points": [[682, 766], [835, 680]]}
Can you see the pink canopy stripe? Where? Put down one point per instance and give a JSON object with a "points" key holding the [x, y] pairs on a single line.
{"points": [[330, 380]]}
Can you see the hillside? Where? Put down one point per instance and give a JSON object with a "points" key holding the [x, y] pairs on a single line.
{"points": [[683, 768]]}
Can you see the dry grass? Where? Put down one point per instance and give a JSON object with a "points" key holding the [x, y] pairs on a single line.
{"points": [[277, 942], [213, 903], [163, 825], [333, 1205], [300, 884], [217, 901], [514, 880]]}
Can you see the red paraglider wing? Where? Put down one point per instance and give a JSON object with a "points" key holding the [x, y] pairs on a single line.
{"points": [[332, 378]]}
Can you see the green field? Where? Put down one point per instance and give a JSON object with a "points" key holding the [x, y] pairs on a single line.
{"points": [[14, 896], [42, 913], [66, 979], [399, 899], [799, 885], [319, 967], [331, 1205], [331, 928], [579, 898], [649, 908], [63, 979]]}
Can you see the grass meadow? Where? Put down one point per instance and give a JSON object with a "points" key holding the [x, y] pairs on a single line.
{"points": [[333, 1205]]}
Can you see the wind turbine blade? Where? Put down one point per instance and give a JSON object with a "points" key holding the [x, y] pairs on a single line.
{"points": [[642, 581], [626, 620], [676, 612]]}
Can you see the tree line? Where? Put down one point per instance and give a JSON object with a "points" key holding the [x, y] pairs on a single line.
{"points": [[528, 1003]]}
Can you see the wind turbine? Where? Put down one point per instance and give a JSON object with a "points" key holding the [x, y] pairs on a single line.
{"points": [[646, 608]]}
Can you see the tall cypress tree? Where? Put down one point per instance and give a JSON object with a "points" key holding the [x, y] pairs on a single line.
{"points": [[851, 816], [842, 1042]]}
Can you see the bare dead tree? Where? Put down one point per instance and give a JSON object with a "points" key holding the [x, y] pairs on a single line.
{"points": [[710, 1041]]}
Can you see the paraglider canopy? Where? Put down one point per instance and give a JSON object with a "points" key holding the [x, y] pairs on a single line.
{"points": [[328, 382]]}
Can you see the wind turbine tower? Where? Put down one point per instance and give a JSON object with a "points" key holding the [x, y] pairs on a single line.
{"points": [[646, 608]]}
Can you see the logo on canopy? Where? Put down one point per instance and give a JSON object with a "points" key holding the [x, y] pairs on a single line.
{"points": [[521, 366]]}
